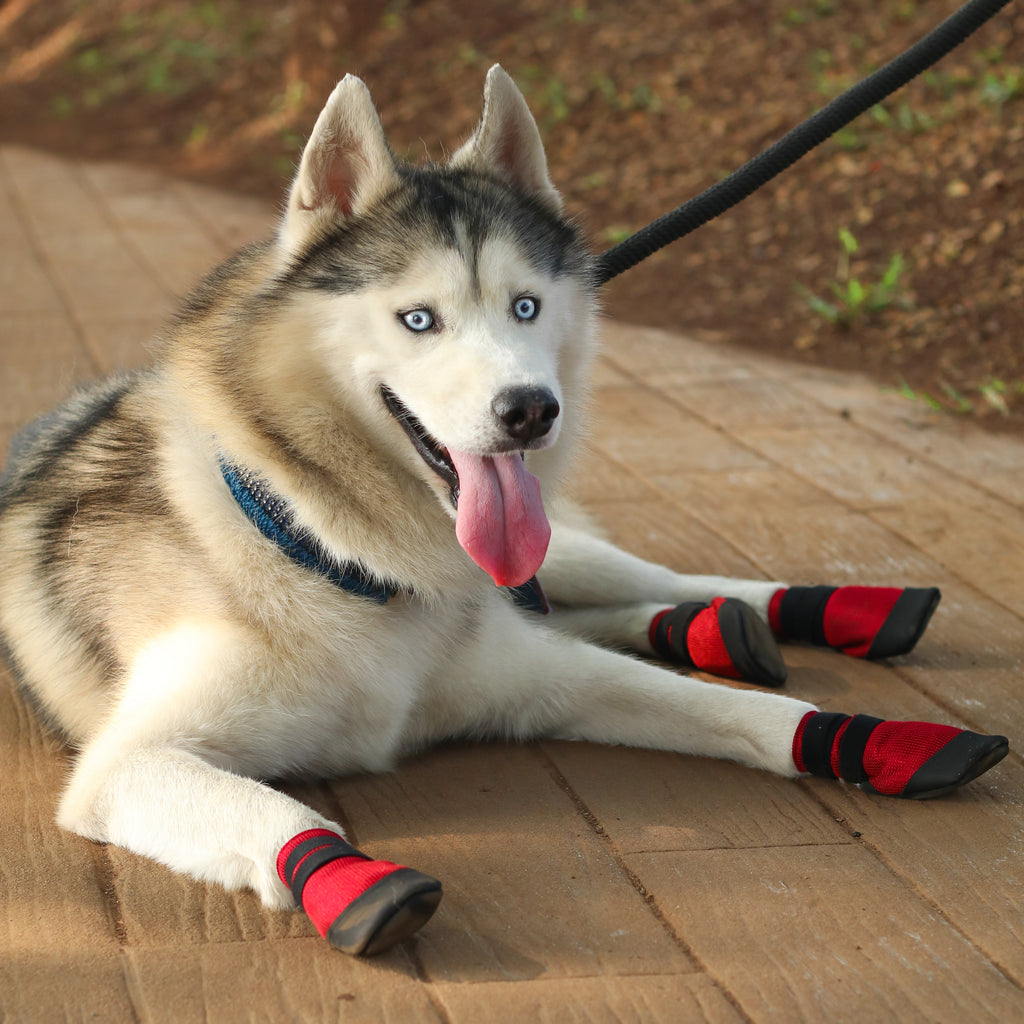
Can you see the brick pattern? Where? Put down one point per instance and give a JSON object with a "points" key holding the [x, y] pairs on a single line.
{"points": [[583, 883]]}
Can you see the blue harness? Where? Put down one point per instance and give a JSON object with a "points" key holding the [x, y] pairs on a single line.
{"points": [[273, 517]]}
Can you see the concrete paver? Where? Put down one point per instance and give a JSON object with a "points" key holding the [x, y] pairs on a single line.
{"points": [[583, 883]]}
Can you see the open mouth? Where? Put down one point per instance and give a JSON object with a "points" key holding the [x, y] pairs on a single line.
{"points": [[499, 515], [432, 453]]}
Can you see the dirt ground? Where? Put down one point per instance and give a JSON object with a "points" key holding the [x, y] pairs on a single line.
{"points": [[896, 248]]}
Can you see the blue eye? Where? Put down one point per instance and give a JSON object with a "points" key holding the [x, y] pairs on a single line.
{"points": [[525, 308], [417, 320]]}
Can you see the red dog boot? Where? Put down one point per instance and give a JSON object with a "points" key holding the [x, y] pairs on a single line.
{"points": [[905, 759], [360, 905], [725, 638], [864, 622]]}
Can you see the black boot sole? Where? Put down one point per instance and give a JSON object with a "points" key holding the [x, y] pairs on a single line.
{"points": [[388, 912], [962, 759]]}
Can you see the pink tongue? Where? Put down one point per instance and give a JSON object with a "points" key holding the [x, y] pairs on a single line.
{"points": [[500, 521]]}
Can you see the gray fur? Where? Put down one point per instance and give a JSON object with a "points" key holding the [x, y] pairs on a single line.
{"points": [[438, 207]]}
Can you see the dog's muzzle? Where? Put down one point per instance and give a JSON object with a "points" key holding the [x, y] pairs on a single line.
{"points": [[499, 512], [432, 453]]}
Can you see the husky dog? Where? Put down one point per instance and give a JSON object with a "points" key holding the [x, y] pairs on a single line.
{"points": [[307, 541]]}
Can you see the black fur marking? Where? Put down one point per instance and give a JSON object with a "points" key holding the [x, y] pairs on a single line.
{"points": [[285, 446], [437, 207], [37, 469], [208, 296], [121, 486], [109, 482], [37, 446]]}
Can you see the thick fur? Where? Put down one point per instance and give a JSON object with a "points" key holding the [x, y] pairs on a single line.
{"points": [[186, 656]]}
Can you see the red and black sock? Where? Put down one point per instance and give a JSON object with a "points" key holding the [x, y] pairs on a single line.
{"points": [[906, 759], [864, 622], [725, 638], [360, 905]]}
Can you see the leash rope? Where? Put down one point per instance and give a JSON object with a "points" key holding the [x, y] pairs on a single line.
{"points": [[798, 141]]}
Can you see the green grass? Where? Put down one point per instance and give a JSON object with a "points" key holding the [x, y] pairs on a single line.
{"points": [[797, 15], [614, 235], [162, 53], [1000, 87], [912, 395], [994, 393], [853, 298]]}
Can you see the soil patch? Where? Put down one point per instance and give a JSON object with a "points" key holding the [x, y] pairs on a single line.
{"points": [[894, 249]]}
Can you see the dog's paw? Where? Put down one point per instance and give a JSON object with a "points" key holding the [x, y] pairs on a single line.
{"points": [[361, 906], [915, 760], [726, 638], [864, 622]]}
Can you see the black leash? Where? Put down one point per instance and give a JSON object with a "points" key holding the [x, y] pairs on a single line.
{"points": [[796, 143]]}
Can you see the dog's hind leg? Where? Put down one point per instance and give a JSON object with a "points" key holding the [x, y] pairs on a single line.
{"points": [[712, 623], [724, 638], [654, 610], [582, 570]]}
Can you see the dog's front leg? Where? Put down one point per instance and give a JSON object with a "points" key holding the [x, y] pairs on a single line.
{"points": [[172, 804], [524, 679], [204, 711], [615, 699], [164, 801], [646, 706], [520, 677]]}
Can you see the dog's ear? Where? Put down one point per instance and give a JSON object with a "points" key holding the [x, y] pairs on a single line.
{"points": [[507, 142], [345, 166]]}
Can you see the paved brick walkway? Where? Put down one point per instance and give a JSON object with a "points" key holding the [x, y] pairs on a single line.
{"points": [[582, 883]]}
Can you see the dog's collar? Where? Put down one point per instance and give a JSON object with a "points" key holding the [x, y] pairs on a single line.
{"points": [[271, 514]]}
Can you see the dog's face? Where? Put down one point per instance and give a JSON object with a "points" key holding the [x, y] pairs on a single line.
{"points": [[448, 302]]}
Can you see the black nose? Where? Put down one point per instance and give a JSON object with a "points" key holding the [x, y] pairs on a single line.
{"points": [[526, 413]]}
